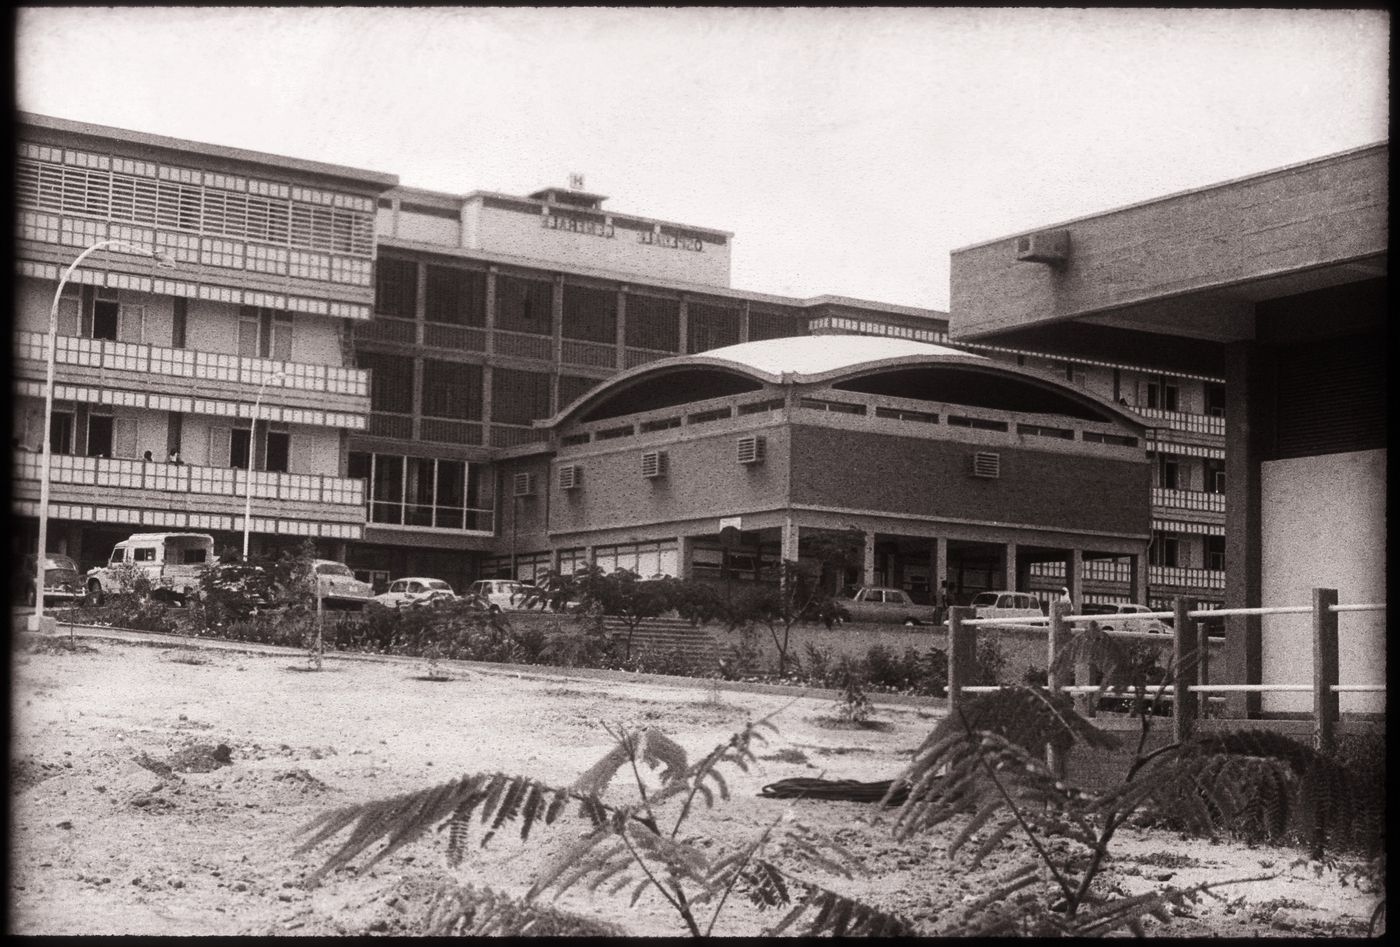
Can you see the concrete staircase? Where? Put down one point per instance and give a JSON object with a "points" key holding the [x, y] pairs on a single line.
{"points": [[697, 645]]}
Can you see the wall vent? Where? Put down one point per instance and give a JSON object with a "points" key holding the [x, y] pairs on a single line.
{"points": [[1049, 246], [653, 464], [570, 477], [524, 485], [751, 449], [986, 464]]}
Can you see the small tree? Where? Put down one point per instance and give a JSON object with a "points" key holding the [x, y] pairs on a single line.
{"points": [[798, 596], [620, 594]]}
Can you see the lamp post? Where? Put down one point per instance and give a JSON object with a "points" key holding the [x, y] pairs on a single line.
{"points": [[252, 440], [164, 261]]}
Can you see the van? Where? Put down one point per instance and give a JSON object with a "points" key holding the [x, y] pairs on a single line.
{"points": [[1006, 605], [173, 562]]}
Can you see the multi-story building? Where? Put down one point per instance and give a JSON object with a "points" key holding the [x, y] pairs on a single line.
{"points": [[409, 341], [242, 345]]}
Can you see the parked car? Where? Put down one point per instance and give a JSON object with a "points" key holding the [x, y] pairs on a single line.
{"points": [[338, 586], [173, 562], [1118, 616], [414, 591], [500, 595], [873, 603], [1001, 604], [62, 580]]}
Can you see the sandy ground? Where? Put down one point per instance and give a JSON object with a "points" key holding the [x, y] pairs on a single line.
{"points": [[102, 844]]}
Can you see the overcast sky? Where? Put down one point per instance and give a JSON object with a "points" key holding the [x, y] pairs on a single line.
{"points": [[849, 150]]}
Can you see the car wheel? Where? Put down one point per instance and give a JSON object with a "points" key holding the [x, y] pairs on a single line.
{"points": [[94, 593], [910, 622], [495, 609]]}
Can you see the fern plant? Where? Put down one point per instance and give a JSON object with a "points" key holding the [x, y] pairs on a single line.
{"points": [[984, 770], [635, 848]]}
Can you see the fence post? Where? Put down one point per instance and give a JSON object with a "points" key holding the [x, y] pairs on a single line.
{"points": [[1183, 653], [962, 652], [1057, 637], [1326, 671], [1202, 665]]}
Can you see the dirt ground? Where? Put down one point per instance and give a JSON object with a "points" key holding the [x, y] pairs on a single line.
{"points": [[128, 819]]}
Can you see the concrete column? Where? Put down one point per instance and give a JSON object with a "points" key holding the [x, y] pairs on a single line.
{"points": [[557, 317], [685, 547], [789, 539], [744, 322], [620, 339], [1248, 427], [420, 307], [1137, 571], [867, 565], [1074, 577], [938, 571], [490, 310], [683, 330], [1011, 567]]}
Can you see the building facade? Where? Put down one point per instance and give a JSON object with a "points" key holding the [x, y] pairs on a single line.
{"points": [[273, 260], [957, 472], [401, 347], [1278, 284]]}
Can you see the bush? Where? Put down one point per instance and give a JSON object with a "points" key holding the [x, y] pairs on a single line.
{"points": [[990, 663], [933, 673]]}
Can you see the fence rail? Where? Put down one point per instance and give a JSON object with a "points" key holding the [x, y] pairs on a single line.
{"points": [[1189, 646]]}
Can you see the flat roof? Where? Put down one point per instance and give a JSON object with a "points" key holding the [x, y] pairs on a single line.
{"points": [[1176, 195], [377, 178]]}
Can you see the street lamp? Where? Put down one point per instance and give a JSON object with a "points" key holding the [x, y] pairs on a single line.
{"points": [[164, 261], [252, 439]]}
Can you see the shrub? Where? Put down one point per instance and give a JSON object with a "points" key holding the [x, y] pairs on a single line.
{"points": [[990, 663], [820, 665], [933, 673], [853, 705]]}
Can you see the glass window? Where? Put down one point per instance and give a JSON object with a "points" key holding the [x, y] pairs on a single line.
{"points": [[396, 288], [391, 381], [454, 296], [590, 314], [451, 390], [279, 449], [99, 435], [105, 319], [239, 439], [524, 305]]}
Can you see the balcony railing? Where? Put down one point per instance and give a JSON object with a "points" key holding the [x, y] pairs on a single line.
{"points": [[594, 354], [458, 338], [1182, 577], [387, 329], [524, 345], [107, 473], [1114, 570], [194, 365], [635, 357], [1195, 500], [430, 516], [1182, 421]]}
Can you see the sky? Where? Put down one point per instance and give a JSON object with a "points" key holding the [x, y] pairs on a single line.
{"points": [[849, 150]]}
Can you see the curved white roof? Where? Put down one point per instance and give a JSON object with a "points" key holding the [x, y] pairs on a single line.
{"points": [[818, 354]]}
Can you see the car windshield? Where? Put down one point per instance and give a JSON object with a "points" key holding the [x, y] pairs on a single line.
{"points": [[60, 562], [985, 598], [334, 568]]}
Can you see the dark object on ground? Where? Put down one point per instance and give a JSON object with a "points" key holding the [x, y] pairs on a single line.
{"points": [[841, 790]]}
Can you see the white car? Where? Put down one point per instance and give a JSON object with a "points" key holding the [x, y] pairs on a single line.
{"points": [[1117, 616], [338, 586], [414, 591], [1007, 605], [500, 595]]}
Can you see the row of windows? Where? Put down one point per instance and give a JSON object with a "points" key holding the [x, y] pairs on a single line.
{"points": [[192, 207], [207, 251], [423, 491], [454, 390], [457, 296]]}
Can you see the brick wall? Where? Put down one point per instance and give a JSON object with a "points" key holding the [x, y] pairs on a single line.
{"points": [[928, 478]]}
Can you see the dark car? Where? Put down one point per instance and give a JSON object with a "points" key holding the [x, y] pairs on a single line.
{"points": [[62, 580]]}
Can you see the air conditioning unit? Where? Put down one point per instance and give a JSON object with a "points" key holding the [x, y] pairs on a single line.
{"points": [[653, 464], [570, 477], [524, 485], [751, 449], [1049, 246], [986, 464]]}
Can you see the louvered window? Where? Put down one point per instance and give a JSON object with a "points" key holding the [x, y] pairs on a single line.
{"points": [[653, 323], [751, 449], [570, 477], [986, 464], [653, 464], [524, 485], [590, 314]]}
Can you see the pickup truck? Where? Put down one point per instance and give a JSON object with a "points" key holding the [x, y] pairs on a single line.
{"points": [[173, 562], [873, 603]]}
